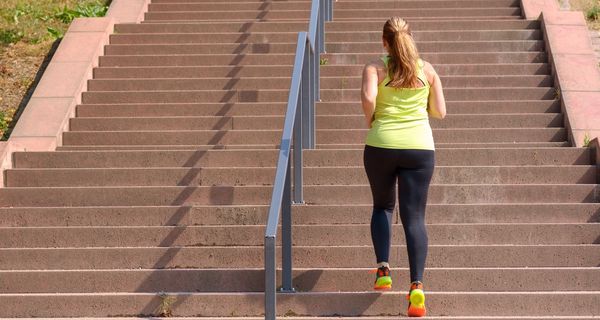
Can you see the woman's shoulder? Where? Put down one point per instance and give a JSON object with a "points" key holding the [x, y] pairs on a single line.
{"points": [[428, 70]]}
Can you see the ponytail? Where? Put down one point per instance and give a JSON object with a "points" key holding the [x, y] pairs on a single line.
{"points": [[402, 65]]}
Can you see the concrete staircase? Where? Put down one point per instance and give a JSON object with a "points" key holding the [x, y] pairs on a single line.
{"points": [[156, 202]]}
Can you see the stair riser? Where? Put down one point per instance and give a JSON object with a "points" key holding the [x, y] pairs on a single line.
{"points": [[273, 137], [326, 71], [329, 304], [281, 95], [443, 46], [330, 26], [166, 7], [422, 5], [197, 60], [446, 58], [323, 122], [268, 158], [221, 48], [266, 176], [250, 109], [359, 235], [304, 257], [339, 59], [252, 195], [284, 83], [343, 14], [213, 27], [248, 48], [319, 215], [328, 146], [234, 6], [317, 280], [459, 94], [229, 15], [438, 35], [291, 37], [438, 12]]}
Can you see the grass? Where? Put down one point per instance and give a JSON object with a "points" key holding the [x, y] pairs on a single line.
{"points": [[29, 32], [590, 9]]}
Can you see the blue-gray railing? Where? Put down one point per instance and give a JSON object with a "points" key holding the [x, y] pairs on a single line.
{"points": [[299, 126]]}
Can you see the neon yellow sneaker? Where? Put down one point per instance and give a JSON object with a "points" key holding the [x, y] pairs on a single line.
{"points": [[416, 300], [383, 281]]}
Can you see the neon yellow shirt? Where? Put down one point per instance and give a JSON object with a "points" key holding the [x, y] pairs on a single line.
{"points": [[401, 119]]}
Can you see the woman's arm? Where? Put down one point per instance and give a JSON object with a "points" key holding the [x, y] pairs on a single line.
{"points": [[369, 91], [436, 105]]}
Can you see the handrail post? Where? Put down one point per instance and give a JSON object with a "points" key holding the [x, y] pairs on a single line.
{"points": [[286, 233], [307, 129], [299, 133], [270, 279]]}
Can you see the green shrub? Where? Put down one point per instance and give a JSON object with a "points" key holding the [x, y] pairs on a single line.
{"points": [[593, 13], [10, 36], [90, 9]]}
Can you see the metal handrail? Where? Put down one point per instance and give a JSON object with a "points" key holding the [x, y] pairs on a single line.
{"points": [[299, 126]]}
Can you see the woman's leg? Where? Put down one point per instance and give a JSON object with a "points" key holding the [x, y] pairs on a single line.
{"points": [[413, 185], [380, 169]]}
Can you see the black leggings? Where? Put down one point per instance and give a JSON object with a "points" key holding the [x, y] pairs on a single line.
{"points": [[413, 170]]}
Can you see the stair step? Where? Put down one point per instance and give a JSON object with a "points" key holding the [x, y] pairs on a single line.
{"points": [[291, 26], [207, 176], [305, 280], [337, 47], [457, 94], [229, 38], [389, 4], [304, 5], [442, 57], [334, 136], [332, 36], [197, 60], [339, 14], [252, 195], [328, 70], [331, 58], [281, 95], [302, 214], [274, 108], [443, 46], [282, 82], [234, 6], [312, 304], [540, 120], [312, 158], [439, 35], [353, 146], [439, 256], [434, 12], [315, 235], [227, 15]]}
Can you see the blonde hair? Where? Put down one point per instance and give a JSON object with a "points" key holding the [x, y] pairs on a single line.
{"points": [[402, 65]]}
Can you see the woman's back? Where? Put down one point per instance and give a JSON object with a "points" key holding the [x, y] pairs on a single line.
{"points": [[400, 118]]}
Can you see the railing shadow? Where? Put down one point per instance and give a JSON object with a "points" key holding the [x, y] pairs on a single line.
{"points": [[222, 195]]}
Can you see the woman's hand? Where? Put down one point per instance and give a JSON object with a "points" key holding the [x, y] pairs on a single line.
{"points": [[369, 92]]}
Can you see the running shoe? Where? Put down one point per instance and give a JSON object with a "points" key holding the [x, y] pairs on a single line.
{"points": [[383, 281], [416, 300]]}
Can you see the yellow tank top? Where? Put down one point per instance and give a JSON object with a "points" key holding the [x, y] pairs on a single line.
{"points": [[401, 119]]}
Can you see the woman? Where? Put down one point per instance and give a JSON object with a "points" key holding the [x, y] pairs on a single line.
{"points": [[399, 93]]}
